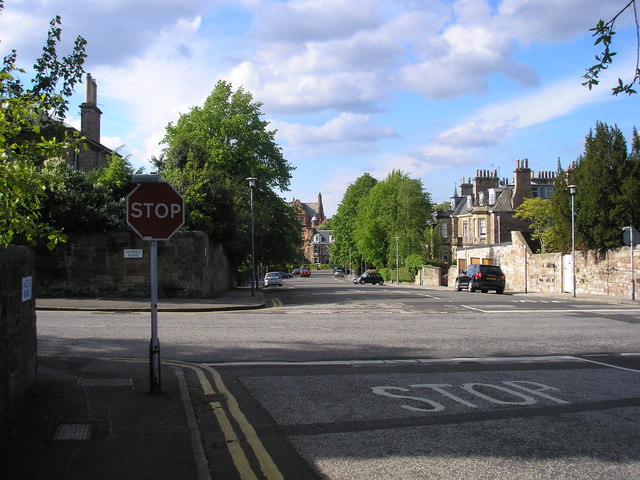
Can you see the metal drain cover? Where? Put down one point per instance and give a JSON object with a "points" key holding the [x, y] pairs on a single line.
{"points": [[73, 431], [106, 382]]}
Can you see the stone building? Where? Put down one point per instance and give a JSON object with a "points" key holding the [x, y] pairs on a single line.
{"points": [[482, 211], [92, 154], [316, 243]]}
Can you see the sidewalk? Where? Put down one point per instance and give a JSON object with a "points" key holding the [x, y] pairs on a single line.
{"points": [[237, 299], [95, 419]]}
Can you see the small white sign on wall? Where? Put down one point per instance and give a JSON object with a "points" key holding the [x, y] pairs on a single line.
{"points": [[132, 253], [27, 288]]}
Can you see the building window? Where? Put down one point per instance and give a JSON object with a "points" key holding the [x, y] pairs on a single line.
{"points": [[482, 227], [444, 230]]}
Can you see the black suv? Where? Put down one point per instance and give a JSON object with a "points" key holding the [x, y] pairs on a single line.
{"points": [[481, 277], [369, 277]]}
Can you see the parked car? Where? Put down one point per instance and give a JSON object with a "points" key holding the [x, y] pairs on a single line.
{"points": [[285, 274], [272, 278], [338, 272], [481, 277], [305, 272], [369, 277], [295, 271]]}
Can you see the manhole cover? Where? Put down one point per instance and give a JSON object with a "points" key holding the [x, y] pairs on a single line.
{"points": [[106, 382], [73, 431]]}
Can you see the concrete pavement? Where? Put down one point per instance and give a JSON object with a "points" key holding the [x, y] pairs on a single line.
{"points": [[96, 418], [236, 299]]}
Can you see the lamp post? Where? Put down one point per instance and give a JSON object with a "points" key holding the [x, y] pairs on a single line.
{"points": [[252, 183], [397, 263], [572, 190]]}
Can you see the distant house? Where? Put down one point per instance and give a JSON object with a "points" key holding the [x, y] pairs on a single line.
{"points": [[316, 243], [482, 212], [92, 155]]}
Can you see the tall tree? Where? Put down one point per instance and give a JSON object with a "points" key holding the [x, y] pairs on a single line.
{"points": [[560, 209], [345, 249], [395, 207], [209, 153], [28, 135], [599, 176]]}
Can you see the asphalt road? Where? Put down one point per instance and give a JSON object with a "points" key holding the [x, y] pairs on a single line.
{"points": [[344, 381]]}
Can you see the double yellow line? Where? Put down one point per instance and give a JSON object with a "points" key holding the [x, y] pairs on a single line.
{"points": [[276, 302], [240, 460]]}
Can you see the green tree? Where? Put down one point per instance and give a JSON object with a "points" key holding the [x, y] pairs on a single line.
{"points": [[414, 263], [29, 135], [599, 175], [395, 207], [209, 153], [87, 202], [560, 208], [538, 211], [344, 222]]}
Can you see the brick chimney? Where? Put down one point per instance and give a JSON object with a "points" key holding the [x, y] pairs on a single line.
{"points": [[522, 183], [320, 212], [484, 180], [466, 187], [89, 112]]}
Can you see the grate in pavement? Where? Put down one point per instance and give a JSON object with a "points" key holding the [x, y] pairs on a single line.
{"points": [[73, 431], [106, 382]]}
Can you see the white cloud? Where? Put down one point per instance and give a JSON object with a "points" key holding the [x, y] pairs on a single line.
{"points": [[302, 21], [347, 127]]}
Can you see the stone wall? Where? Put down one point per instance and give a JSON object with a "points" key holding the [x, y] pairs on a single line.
{"points": [[429, 276], [18, 339], [606, 272], [94, 265]]}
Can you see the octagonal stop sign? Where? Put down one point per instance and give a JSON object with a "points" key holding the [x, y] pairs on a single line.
{"points": [[155, 211]]}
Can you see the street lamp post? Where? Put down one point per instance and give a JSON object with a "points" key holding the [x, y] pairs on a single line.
{"points": [[252, 183], [397, 263], [572, 191]]}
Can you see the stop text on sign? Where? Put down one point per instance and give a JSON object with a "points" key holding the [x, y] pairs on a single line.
{"points": [[155, 210], [515, 392]]}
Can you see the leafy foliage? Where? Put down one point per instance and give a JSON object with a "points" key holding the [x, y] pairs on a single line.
{"points": [[395, 207], [28, 136], [345, 250], [209, 153], [607, 180], [604, 33], [87, 202], [538, 211], [414, 263]]}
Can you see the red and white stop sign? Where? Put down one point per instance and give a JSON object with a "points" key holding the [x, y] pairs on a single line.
{"points": [[155, 211]]}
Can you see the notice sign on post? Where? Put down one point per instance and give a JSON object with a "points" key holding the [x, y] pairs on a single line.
{"points": [[27, 288]]}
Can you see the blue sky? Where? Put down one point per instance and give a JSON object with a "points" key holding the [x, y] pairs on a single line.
{"points": [[435, 88]]}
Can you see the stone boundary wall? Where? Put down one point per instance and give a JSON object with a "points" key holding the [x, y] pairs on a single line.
{"points": [[606, 272], [429, 276], [18, 339], [94, 265]]}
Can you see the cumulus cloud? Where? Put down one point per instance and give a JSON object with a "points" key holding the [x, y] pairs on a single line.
{"points": [[302, 21], [347, 127], [115, 30]]}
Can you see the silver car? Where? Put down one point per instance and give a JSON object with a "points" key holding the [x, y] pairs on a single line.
{"points": [[272, 278]]}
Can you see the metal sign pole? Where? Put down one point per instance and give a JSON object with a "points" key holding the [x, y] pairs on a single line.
{"points": [[154, 344], [633, 275]]}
